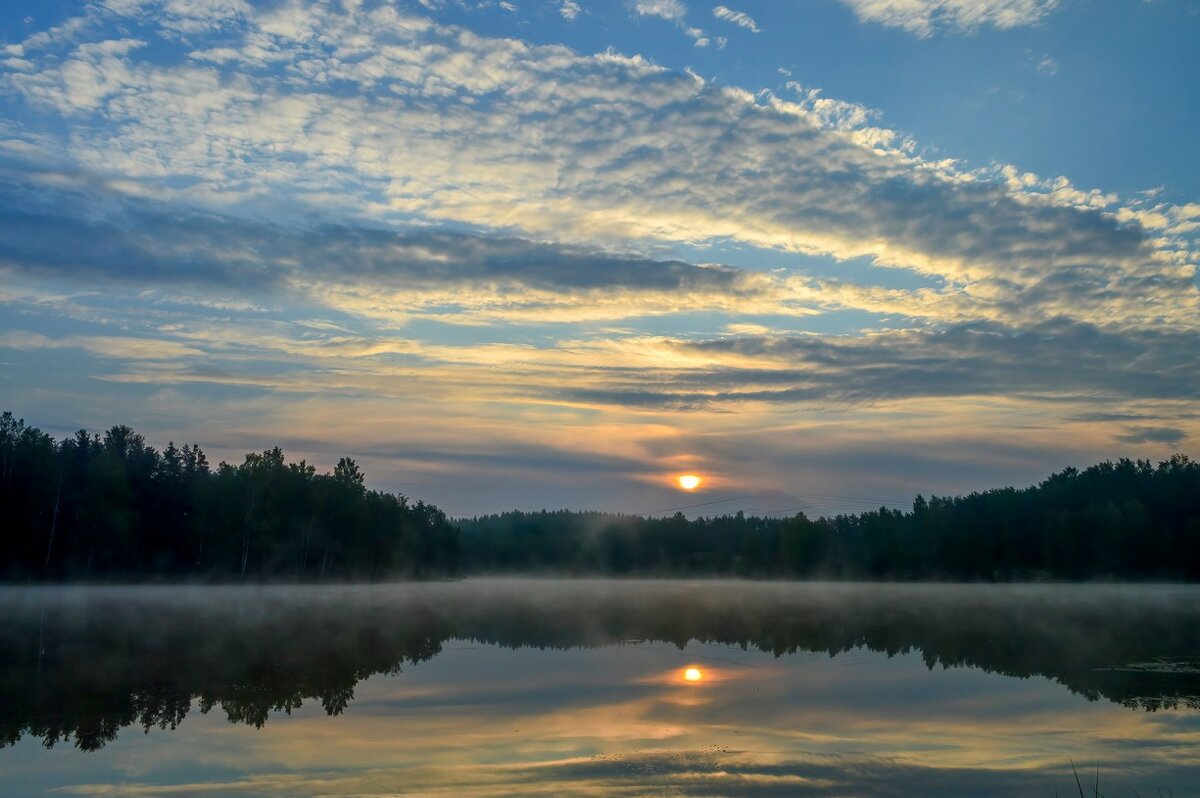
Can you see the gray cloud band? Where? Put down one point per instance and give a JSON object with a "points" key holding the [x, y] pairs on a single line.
{"points": [[105, 237], [1056, 360]]}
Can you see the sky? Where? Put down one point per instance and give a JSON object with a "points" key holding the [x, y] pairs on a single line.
{"points": [[550, 253]]}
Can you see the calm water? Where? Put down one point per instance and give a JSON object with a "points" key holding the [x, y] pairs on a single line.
{"points": [[579, 688]]}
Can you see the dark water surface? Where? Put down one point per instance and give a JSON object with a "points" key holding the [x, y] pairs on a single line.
{"points": [[509, 687]]}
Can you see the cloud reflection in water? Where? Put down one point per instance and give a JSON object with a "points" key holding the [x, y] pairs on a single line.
{"points": [[514, 695]]}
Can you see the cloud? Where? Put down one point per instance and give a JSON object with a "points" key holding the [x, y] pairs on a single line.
{"points": [[1167, 435], [736, 17], [191, 16], [673, 10], [49, 231], [1054, 361], [1106, 417], [108, 346], [569, 9], [925, 17], [377, 114], [59, 227], [69, 31]]}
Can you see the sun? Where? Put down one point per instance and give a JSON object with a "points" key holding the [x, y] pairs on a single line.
{"points": [[689, 481], [692, 674]]}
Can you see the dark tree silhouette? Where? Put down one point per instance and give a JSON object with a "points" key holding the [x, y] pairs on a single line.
{"points": [[113, 508], [1125, 520]]}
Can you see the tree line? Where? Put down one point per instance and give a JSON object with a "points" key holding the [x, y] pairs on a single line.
{"points": [[111, 507], [1123, 520]]}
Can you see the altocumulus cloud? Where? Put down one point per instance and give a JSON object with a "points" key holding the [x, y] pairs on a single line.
{"points": [[379, 112], [924, 17]]}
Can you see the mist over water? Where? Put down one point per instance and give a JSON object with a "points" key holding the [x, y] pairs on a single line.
{"points": [[519, 687]]}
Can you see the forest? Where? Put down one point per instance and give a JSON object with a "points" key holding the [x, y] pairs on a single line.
{"points": [[1124, 520], [112, 508]]}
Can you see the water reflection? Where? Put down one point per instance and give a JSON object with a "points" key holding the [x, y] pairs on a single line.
{"points": [[530, 685]]}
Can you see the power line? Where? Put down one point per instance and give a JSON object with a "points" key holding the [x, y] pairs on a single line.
{"points": [[701, 504], [855, 499], [788, 510]]}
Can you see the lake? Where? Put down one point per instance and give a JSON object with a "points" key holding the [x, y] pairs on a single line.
{"points": [[604, 688]]}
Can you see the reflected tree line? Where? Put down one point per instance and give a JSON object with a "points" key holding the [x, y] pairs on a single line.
{"points": [[112, 508], [78, 665]]}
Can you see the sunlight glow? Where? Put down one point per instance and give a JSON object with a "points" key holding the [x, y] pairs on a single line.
{"points": [[692, 674], [689, 481]]}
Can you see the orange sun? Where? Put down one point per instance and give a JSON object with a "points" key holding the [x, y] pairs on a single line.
{"points": [[689, 481], [692, 674]]}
